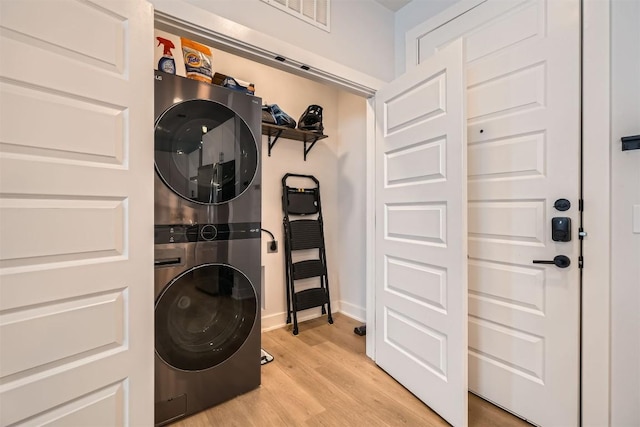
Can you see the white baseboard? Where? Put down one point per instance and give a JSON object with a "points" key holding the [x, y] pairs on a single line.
{"points": [[273, 321], [278, 320], [353, 311]]}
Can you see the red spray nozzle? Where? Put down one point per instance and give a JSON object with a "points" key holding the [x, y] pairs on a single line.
{"points": [[167, 45]]}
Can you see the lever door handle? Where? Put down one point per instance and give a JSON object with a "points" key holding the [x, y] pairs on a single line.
{"points": [[561, 261], [166, 261]]}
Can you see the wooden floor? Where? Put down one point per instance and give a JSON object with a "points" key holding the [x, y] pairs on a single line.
{"points": [[322, 377]]}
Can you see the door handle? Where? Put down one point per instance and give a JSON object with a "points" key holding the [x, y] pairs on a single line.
{"points": [[166, 261], [561, 261]]}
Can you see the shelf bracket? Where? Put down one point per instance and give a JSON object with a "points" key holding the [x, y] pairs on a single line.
{"points": [[274, 132], [307, 149], [275, 139]]}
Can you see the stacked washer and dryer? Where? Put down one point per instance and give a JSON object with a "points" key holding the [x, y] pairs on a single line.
{"points": [[207, 245]]}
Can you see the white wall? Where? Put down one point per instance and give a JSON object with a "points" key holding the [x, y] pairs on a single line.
{"points": [[625, 229], [408, 17], [361, 34], [352, 181]]}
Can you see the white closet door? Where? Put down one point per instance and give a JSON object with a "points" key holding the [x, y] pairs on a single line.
{"points": [[523, 111], [76, 212], [421, 229]]}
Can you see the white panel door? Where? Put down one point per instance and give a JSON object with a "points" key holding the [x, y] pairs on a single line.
{"points": [[76, 213], [421, 251], [523, 111]]}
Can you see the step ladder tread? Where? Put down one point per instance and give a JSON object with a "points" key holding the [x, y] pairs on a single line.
{"points": [[306, 234], [309, 298], [308, 268]]}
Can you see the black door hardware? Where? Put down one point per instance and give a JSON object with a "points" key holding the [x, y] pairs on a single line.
{"points": [[631, 142], [562, 205], [561, 229], [561, 261]]}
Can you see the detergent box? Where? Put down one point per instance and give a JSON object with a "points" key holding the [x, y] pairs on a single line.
{"points": [[197, 60]]}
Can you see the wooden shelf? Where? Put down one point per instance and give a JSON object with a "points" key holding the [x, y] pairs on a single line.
{"points": [[274, 132]]}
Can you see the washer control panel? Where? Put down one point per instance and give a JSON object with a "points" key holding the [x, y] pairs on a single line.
{"points": [[208, 232], [205, 232]]}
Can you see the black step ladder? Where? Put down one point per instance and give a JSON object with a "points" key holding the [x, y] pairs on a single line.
{"points": [[303, 231]]}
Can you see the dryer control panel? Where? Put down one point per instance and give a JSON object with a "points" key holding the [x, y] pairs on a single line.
{"points": [[205, 232]]}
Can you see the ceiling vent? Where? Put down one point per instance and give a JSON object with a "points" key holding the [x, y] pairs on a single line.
{"points": [[315, 12]]}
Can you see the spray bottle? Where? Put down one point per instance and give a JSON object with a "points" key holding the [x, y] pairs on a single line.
{"points": [[166, 63]]}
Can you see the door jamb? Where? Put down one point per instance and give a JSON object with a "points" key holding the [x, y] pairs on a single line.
{"points": [[371, 229], [596, 282]]}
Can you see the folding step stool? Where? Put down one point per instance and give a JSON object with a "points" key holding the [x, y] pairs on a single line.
{"points": [[304, 234]]}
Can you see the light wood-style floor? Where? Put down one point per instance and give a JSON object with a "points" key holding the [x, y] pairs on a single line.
{"points": [[322, 377]]}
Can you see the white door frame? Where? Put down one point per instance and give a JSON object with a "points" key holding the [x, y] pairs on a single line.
{"points": [[596, 281], [596, 137]]}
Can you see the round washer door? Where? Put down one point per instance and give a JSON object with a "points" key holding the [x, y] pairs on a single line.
{"points": [[205, 152], [204, 316]]}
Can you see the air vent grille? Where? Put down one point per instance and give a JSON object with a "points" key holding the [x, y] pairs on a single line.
{"points": [[315, 12]]}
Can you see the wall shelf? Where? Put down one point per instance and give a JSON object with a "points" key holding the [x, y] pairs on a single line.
{"points": [[274, 132], [631, 143]]}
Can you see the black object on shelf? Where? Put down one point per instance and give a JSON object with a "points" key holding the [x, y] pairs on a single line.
{"points": [[304, 231], [631, 142], [274, 132]]}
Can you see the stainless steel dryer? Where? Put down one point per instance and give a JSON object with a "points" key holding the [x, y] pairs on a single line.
{"points": [[207, 245], [207, 153]]}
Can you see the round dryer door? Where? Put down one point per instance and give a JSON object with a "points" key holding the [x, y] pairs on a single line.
{"points": [[205, 152], [204, 316]]}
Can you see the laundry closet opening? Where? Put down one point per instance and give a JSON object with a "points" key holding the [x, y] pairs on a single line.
{"points": [[337, 161]]}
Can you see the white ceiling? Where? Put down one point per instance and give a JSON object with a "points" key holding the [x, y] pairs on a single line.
{"points": [[393, 5]]}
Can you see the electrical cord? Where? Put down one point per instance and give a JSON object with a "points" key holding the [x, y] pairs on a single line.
{"points": [[273, 245], [268, 232]]}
